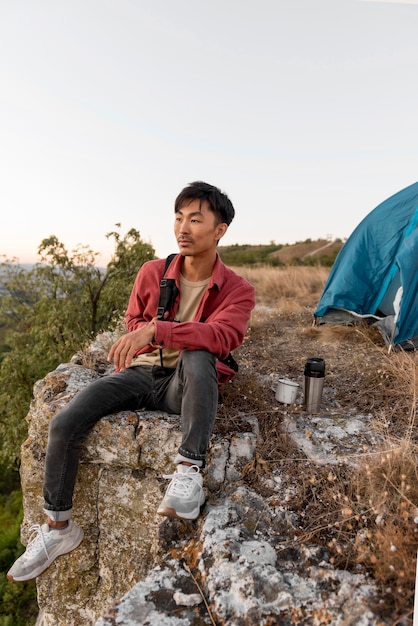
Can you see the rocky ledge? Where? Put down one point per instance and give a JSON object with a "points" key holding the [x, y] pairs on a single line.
{"points": [[239, 564]]}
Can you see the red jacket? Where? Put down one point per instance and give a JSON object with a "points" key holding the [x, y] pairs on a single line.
{"points": [[221, 319]]}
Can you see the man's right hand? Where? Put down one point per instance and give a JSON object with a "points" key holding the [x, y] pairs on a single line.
{"points": [[125, 348]]}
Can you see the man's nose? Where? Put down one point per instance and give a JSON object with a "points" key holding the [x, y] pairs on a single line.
{"points": [[184, 226]]}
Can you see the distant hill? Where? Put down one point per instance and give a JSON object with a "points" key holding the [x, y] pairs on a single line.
{"points": [[309, 252], [320, 251]]}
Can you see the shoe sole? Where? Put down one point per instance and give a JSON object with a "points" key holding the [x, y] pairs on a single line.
{"points": [[40, 570], [189, 517]]}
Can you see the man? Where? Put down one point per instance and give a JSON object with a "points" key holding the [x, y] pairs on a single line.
{"points": [[174, 364]]}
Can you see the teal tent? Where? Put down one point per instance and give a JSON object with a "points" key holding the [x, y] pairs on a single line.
{"points": [[375, 275]]}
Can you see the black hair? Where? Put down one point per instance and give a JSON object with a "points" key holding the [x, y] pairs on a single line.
{"points": [[218, 201]]}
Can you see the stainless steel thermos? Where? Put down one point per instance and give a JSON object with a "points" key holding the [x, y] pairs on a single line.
{"points": [[314, 382]]}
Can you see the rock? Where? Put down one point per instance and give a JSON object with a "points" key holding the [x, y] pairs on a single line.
{"points": [[236, 565], [333, 437], [246, 577]]}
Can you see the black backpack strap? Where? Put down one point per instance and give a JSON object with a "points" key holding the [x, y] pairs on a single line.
{"points": [[168, 291], [168, 261], [230, 362]]}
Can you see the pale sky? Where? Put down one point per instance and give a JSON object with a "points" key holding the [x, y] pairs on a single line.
{"points": [[305, 112]]}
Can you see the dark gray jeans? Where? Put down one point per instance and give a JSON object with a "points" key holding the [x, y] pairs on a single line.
{"points": [[190, 390]]}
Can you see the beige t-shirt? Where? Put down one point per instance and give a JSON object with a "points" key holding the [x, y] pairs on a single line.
{"points": [[191, 294]]}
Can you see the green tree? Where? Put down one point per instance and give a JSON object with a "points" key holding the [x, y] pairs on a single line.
{"points": [[51, 311], [18, 605]]}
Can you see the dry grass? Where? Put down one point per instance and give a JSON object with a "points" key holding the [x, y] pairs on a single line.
{"points": [[286, 287], [366, 516]]}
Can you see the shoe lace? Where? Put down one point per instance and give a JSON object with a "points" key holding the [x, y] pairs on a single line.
{"points": [[183, 483], [37, 541]]}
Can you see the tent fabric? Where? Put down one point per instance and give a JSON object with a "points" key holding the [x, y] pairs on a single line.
{"points": [[379, 258]]}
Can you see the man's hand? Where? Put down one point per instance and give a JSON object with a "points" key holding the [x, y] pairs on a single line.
{"points": [[124, 349]]}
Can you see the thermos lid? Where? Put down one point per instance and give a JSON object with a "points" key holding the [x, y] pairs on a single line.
{"points": [[315, 366]]}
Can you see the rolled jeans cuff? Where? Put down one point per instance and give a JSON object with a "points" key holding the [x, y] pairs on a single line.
{"points": [[180, 458], [59, 516]]}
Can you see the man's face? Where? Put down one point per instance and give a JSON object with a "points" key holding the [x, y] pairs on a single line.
{"points": [[196, 230]]}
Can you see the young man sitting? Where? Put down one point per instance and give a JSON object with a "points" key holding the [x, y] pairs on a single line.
{"points": [[174, 364]]}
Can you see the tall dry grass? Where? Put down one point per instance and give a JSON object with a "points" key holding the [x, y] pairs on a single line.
{"points": [[284, 286], [365, 513]]}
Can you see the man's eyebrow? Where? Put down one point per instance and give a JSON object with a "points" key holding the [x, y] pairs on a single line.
{"points": [[193, 213]]}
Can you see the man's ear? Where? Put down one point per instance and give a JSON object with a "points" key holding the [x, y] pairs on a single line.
{"points": [[220, 230]]}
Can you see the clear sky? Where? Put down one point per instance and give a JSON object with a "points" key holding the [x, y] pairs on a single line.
{"points": [[304, 111]]}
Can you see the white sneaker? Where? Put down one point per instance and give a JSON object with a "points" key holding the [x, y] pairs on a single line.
{"points": [[184, 496], [43, 549]]}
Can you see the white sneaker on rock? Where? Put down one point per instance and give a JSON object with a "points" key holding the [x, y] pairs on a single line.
{"points": [[184, 496], [47, 544]]}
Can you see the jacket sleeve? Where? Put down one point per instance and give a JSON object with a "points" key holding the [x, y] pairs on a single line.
{"points": [[143, 301]]}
